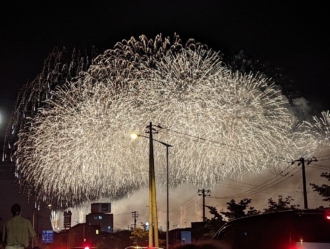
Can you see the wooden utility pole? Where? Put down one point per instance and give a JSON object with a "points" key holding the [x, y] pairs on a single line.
{"points": [[153, 216], [302, 163], [134, 215], [204, 193]]}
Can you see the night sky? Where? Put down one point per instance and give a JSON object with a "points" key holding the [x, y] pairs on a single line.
{"points": [[290, 35]]}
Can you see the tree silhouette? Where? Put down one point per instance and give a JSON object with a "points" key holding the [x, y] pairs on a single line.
{"points": [[214, 223], [237, 210], [140, 237], [280, 205], [323, 190]]}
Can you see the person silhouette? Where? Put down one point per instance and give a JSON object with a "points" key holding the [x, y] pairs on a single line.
{"points": [[17, 230]]}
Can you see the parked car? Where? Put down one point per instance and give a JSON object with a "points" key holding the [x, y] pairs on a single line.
{"points": [[294, 229]]}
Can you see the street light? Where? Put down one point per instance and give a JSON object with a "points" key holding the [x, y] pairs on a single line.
{"points": [[134, 136]]}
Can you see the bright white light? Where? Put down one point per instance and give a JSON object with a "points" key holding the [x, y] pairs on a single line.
{"points": [[77, 146], [134, 136]]}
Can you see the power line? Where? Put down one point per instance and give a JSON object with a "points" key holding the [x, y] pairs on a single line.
{"points": [[243, 182], [179, 209], [145, 210], [212, 141], [275, 191], [186, 205], [275, 183], [257, 188], [321, 167], [323, 156]]}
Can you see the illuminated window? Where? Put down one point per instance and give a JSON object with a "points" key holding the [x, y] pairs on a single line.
{"points": [[96, 231]]}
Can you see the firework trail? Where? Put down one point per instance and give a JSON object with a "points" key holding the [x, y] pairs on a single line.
{"points": [[77, 146], [319, 128], [58, 69], [54, 218]]}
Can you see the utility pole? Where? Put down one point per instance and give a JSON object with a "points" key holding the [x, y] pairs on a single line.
{"points": [[302, 163], [151, 130], [203, 193], [134, 215], [153, 217]]}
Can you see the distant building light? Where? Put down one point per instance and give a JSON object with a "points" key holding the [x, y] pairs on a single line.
{"points": [[97, 231]]}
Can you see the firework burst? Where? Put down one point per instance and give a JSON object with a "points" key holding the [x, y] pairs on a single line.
{"points": [[319, 128], [221, 124], [58, 69]]}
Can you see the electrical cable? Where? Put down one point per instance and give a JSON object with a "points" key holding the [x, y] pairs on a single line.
{"points": [[209, 140]]}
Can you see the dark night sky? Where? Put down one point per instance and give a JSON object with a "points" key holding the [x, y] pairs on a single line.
{"points": [[291, 35]]}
